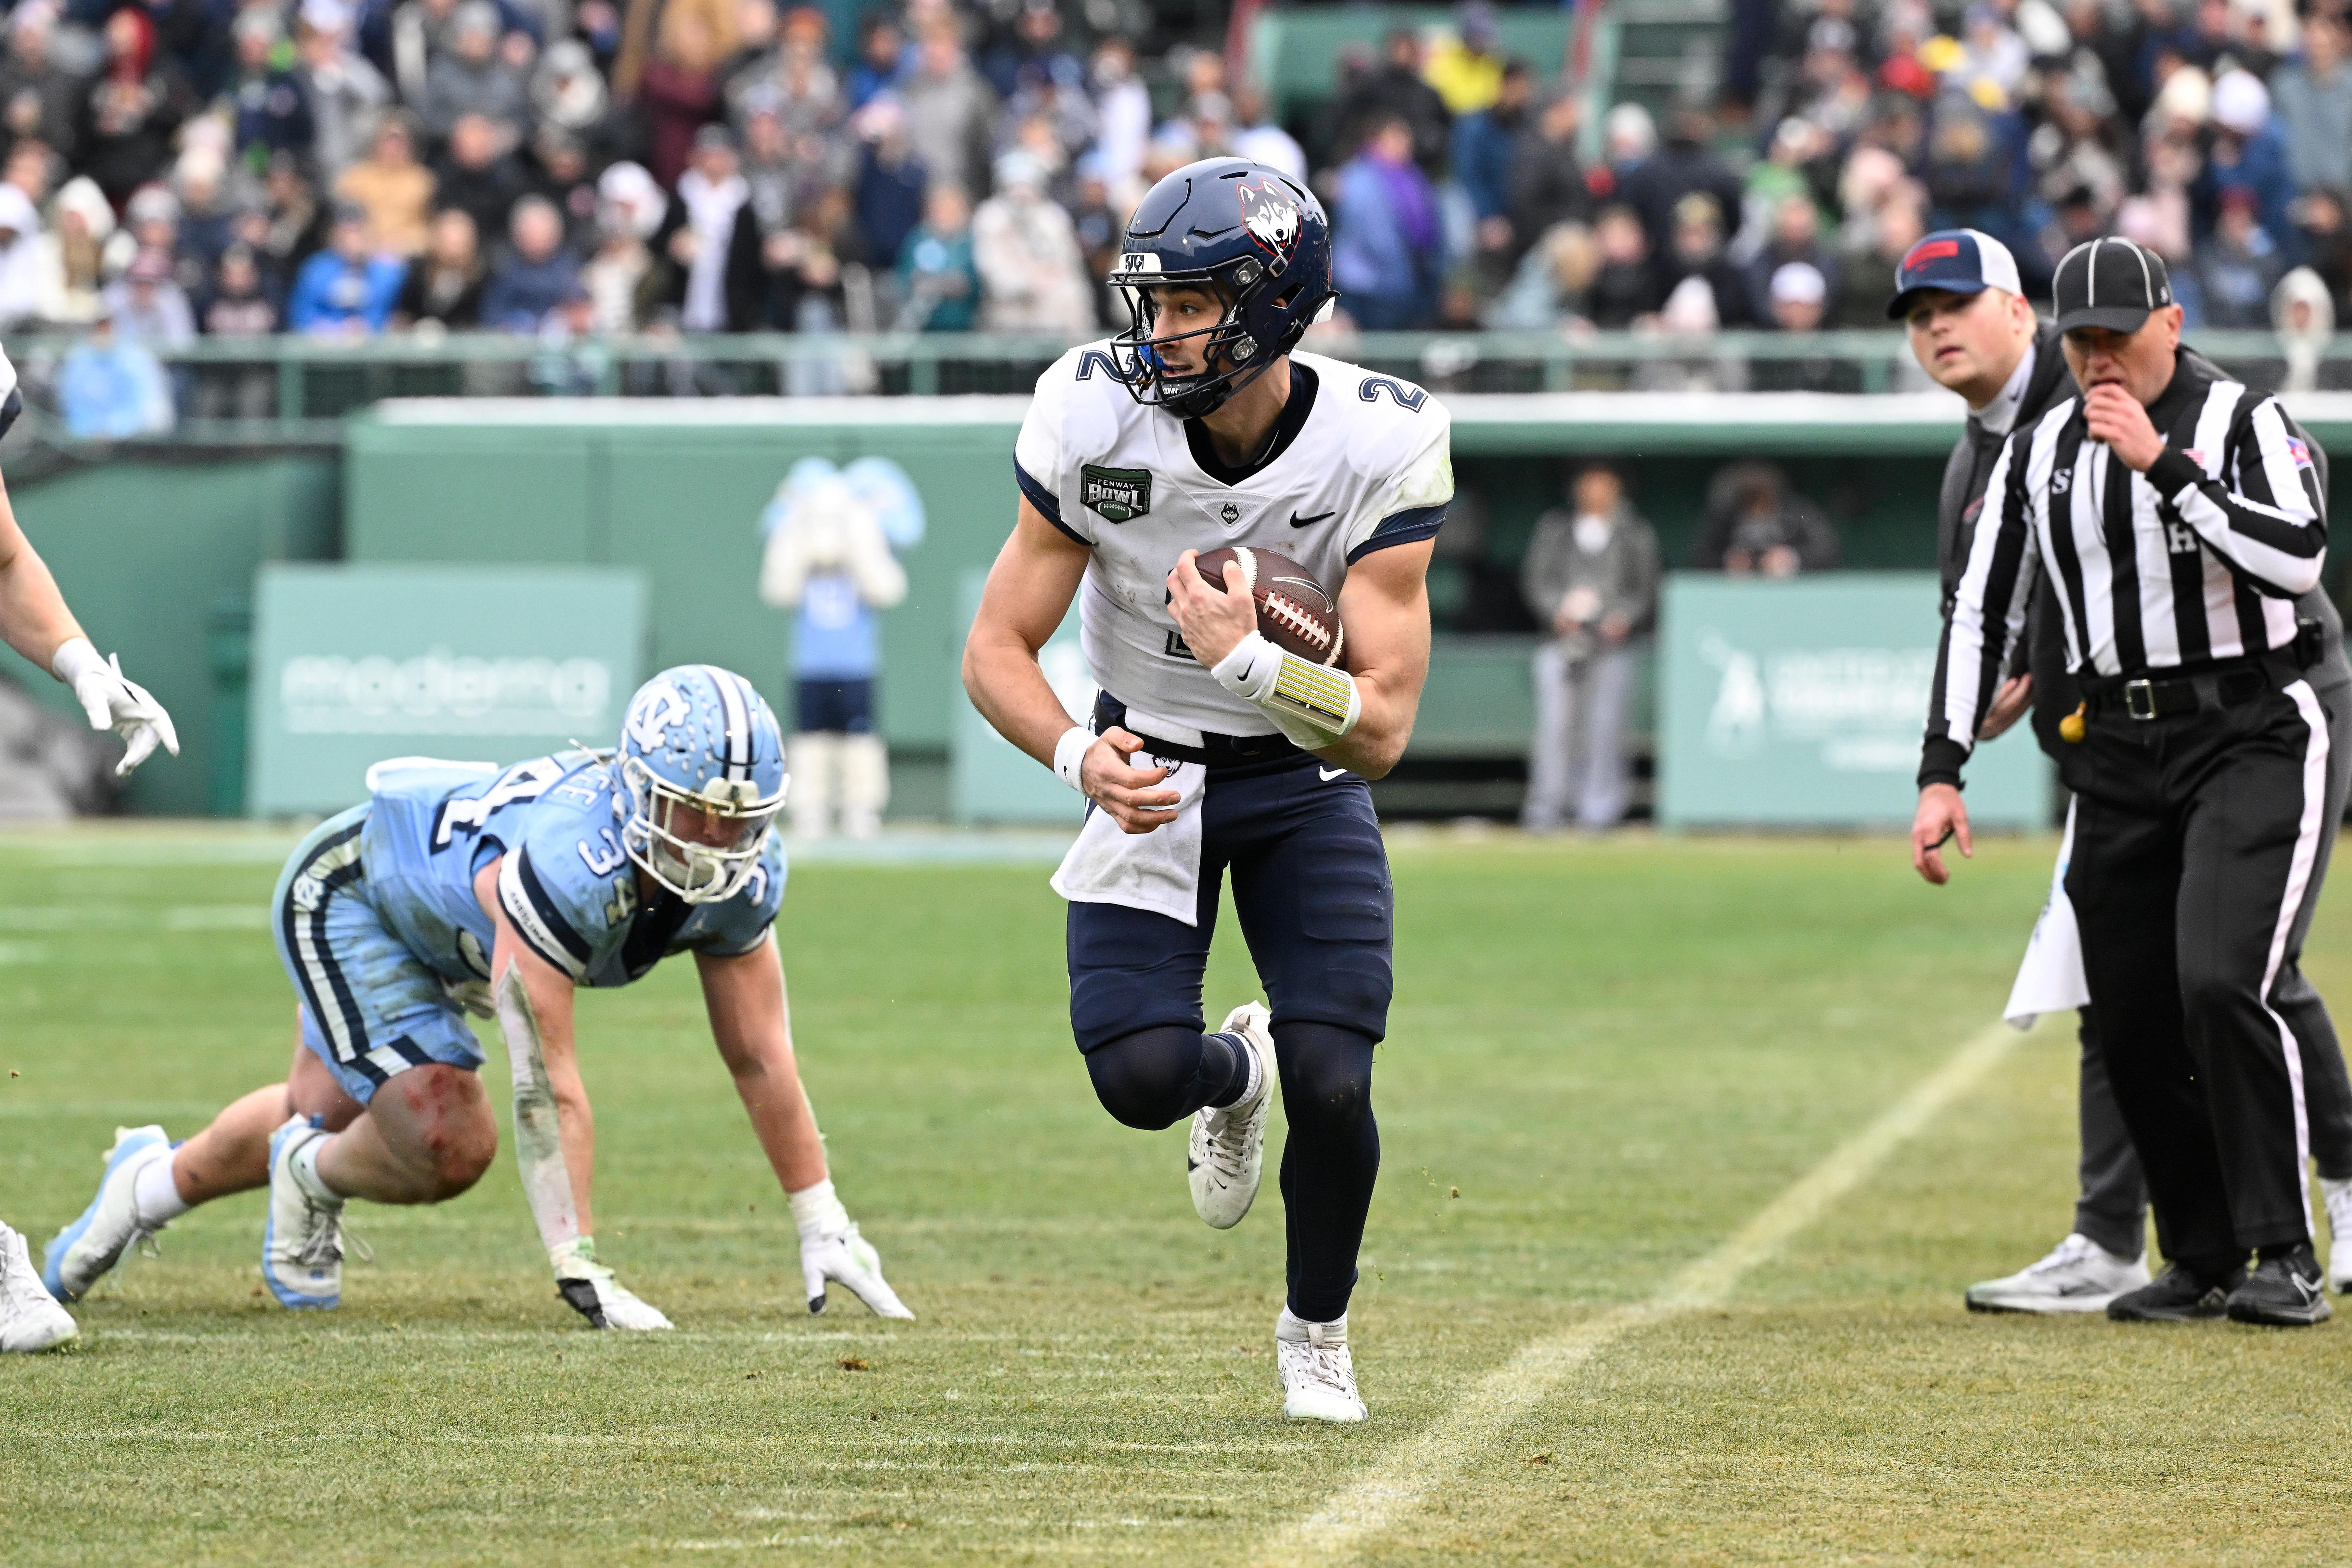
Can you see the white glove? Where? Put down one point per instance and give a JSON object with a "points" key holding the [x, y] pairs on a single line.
{"points": [[114, 702], [849, 1258], [596, 1295]]}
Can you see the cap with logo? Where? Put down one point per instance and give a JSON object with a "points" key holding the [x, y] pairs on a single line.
{"points": [[2110, 283], [1956, 260]]}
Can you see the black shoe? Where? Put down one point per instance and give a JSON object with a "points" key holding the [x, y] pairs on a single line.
{"points": [[2177, 1295], [2284, 1292]]}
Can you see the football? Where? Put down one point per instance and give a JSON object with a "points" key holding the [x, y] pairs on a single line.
{"points": [[1294, 613]]}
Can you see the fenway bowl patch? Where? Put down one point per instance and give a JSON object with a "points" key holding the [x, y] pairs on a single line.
{"points": [[1117, 494]]}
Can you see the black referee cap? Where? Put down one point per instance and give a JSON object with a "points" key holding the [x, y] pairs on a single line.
{"points": [[2110, 283]]}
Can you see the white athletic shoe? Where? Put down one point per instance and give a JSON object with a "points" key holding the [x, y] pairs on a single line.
{"points": [[302, 1249], [2079, 1276], [2339, 1232], [1229, 1143], [30, 1318], [77, 1256], [1318, 1378]]}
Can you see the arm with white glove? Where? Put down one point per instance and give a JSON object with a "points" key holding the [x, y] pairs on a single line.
{"points": [[34, 622], [750, 1020], [555, 1131]]}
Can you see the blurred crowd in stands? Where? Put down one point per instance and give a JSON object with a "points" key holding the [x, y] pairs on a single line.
{"points": [[2218, 132], [584, 168]]}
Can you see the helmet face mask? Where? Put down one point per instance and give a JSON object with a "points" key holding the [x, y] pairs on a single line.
{"points": [[1229, 231], [701, 771], [1190, 369], [701, 847]]}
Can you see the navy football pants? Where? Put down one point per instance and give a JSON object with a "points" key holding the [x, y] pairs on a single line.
{"points": [[1311, 888]]}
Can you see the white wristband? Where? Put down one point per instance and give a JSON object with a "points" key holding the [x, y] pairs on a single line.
{"points": [[1249, 671], [1069, 751], [76, 658], [1294, 692]]}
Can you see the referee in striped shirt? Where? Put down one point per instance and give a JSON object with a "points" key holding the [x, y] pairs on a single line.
{"points": [[2178, 515]]}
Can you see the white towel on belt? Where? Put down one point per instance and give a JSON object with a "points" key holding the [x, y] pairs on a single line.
{"points": [[2050, 978], [1159, 871]]}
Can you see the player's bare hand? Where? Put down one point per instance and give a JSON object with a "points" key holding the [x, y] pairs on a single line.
{"points": [[1213, 624], [1109, 776], [1941, 818], [2113, 416], [2008, 705]]}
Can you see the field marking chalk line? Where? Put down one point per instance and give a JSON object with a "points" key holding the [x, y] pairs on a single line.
{"points": [[1423, 1463]]}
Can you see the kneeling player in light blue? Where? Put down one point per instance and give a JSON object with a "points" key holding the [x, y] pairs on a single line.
{"points": [[458, 888]]}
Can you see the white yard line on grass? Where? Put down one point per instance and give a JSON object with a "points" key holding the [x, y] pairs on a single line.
{"points": [[1424, 1464]]}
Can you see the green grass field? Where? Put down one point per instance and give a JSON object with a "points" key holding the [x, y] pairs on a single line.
{"points": [[1616, 1053]]}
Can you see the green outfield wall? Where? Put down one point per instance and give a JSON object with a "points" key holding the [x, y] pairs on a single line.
{"points": [[160, 558]]}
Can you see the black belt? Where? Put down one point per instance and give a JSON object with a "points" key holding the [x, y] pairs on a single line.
{"points": [[1217, 753], [2224, 684]]}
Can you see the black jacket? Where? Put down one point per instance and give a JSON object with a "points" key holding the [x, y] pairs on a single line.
{"points": [[2044, 651]]}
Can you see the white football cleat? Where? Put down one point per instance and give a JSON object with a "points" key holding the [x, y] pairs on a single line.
{"points": [[303, 1248], [597, 1295], [30, 1318], [2339, 1232], [2079, 1276], [850, 1259], [1228, 1143], [1318, 1377], [77, 1256]]}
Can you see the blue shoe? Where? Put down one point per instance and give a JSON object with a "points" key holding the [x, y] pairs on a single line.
{"points": [[302, 1249], [77, 1256]]}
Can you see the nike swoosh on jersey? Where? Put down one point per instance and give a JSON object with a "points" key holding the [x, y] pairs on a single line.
{"points": [[1328, 774], [1298, 521]]}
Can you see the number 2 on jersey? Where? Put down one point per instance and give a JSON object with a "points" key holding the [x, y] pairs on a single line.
{"points": [[1371, 387]]}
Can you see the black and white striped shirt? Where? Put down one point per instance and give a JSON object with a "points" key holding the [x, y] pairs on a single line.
{"points": [[2200, 559]]}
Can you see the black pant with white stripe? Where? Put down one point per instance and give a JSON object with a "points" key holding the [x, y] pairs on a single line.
{"points": [[2113, 1208], [2196, 859]]}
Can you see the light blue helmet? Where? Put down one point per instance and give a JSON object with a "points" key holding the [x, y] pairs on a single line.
{"points": [[702, 777]]}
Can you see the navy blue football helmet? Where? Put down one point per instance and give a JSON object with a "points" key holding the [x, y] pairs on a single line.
{"points": [[1251, 235]]}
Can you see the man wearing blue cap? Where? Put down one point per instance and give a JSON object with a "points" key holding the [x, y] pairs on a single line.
{"points": [[1957, 291]]}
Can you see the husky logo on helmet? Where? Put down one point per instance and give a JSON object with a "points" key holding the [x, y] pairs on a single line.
{"points": [[1270, 214], [1248, 236]]}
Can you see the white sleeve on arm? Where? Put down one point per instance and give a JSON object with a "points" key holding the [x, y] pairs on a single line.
{"points": [[1412, 504], [1040, 463]]}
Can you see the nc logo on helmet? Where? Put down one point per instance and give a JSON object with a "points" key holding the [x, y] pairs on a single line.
{"points": [[1271, 215], [657, 707]]}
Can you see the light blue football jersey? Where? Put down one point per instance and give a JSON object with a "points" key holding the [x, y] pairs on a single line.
{"points": [[566, 886]]}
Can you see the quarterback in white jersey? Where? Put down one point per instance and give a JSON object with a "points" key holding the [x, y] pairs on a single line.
{"points": [[1201, 427], [1370, 472]]}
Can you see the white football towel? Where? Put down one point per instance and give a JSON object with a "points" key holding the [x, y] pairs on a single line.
{"points": [[1159, 871], [2050, 978]]}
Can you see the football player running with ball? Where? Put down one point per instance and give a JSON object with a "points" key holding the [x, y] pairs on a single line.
{"points": [[1214, 748], [462, 887]]}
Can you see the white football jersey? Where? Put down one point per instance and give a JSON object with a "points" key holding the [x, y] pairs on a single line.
{"points": [[1369, 467]]}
